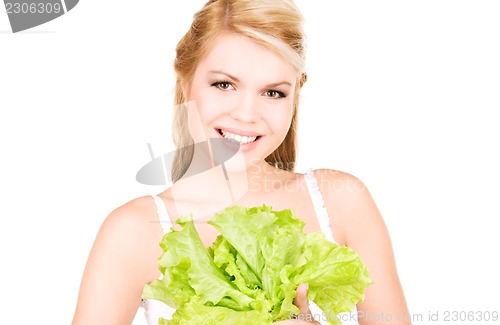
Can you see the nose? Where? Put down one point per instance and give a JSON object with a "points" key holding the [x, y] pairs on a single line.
{"points": [[246, 108]]}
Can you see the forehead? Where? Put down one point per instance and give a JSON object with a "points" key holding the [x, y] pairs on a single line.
{"points": [[243, 57]]}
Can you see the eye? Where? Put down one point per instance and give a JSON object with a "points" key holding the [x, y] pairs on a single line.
{"points": [[223, 85], [274, 94]]}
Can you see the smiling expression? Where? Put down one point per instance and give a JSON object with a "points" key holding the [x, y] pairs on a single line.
{"points": [[243, 92]]}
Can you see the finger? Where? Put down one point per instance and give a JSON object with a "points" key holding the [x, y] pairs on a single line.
{"points": [[301, 300]]}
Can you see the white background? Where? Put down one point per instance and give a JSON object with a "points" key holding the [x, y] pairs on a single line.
{"points": [[401, 94]]}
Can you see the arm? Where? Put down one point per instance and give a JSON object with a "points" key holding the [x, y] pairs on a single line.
{"points": [[357, 223], [122, 260]]}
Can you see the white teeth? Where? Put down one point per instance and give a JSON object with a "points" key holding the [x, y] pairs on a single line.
{"points": [[243, 139]]}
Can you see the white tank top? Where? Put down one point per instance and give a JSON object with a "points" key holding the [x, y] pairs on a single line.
{"points": [[154, 309]]}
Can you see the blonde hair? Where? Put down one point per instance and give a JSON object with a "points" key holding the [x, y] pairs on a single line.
{"points": [[275, 24]]}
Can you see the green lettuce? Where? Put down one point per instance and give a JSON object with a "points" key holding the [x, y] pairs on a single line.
{"points": [[252, 270]]}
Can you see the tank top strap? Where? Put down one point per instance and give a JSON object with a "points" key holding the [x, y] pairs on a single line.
{"points": [[319, 204], [162, 213]]}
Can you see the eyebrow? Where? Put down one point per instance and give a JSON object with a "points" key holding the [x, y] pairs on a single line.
{"points": [[276, 84]]}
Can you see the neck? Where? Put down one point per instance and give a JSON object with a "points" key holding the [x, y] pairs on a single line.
{"points": [[208, 187]]}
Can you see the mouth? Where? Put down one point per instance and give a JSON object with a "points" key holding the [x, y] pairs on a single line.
{"points": [[238, 138]]}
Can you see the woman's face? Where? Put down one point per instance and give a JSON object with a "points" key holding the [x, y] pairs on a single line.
{"points": [[244, 93]]}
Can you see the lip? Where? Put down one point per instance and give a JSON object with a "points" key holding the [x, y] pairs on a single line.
{"points": [[238, 131], [244, 147]]}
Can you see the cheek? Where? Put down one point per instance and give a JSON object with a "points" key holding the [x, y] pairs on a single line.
{"points": [[281, 118], [195, 122], [212, 104], [203, 109]]}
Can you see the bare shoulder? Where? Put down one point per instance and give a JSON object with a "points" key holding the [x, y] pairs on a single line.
{"points": [[134, 221], [333, 181], [357, 222], [139, 213], [342, 190], [135, 227], [348, 202], [125, 251]]}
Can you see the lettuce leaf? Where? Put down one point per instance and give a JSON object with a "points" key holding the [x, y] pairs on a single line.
{"points": [[251, 272], [189, 270]]}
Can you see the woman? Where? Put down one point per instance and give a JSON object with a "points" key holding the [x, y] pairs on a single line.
{"points": [[239, 70]]}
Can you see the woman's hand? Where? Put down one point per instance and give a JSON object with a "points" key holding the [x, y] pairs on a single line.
{"points": [[301, 301]]}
